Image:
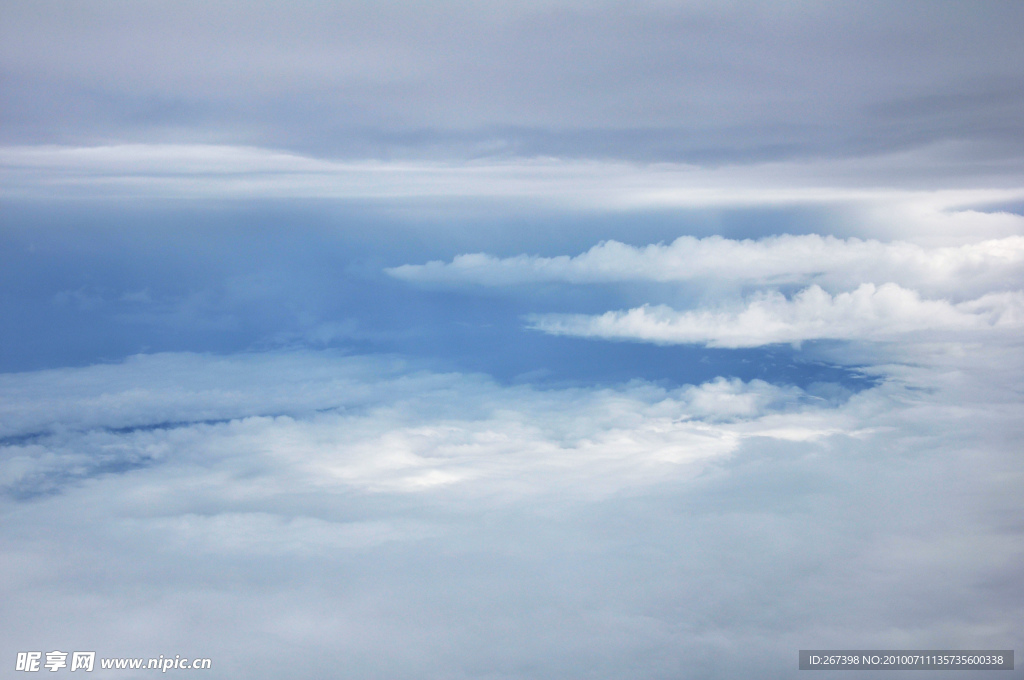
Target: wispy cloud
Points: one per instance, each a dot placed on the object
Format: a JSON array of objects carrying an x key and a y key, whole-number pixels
[{"x": 218, "y": 171}]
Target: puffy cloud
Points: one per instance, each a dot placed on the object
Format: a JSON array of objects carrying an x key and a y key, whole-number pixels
[
  {"x": 831, "y": 262},
  {"x": 886, "y": 312},
  {"x": 900, "y": 289}
]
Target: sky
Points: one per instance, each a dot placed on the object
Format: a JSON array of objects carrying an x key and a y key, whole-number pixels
[{"x": 510, "y": 340}]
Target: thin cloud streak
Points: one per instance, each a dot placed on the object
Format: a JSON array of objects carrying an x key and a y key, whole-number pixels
[{"x": 209, "y": 171}]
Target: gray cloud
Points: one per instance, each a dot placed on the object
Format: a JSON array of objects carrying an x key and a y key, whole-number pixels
[
  {"x": 927, "y": 193},
  {"x": 699, "y": 82}
]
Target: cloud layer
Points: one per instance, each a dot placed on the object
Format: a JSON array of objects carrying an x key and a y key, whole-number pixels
[
  {"x": 188, "y": 184},
  {"x": 225, "y": 170},
  {"x": 417, "y": 524},
  {"x": 396, "y": 429},
  {"x": 650, "y": 81}
]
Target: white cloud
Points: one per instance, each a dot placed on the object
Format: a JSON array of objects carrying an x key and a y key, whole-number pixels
[
  {"x": 223, "y": 171},
  {"x": 447, "y": 523},
  {"x": 171, "y": 388},
  {"x": 309, "y": 514},
  {"x": 886, "y": 312},
  {"x": 833, "y": 263},
  {"x": 351, "y": 421}
]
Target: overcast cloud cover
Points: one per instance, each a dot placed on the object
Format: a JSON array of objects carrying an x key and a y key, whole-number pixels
[{"x": 490, "y": 340}]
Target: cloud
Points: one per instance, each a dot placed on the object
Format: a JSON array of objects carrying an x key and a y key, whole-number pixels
[
  {"x": 310, "y": 514},
  {"x": 415, "y": 524},
  {"x": 180, "y": 388},
  {"x": 70, "y": 424},
  {"x": 651, "y": 81},
  {"x": 901, "y": 290},
  {"x": 827, "y": 261},
  {"x": 906, "y": 180},
  {"x": 870, "y": 312}
]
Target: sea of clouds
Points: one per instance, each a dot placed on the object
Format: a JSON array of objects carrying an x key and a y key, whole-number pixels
[
  {"x": 308, "y": 512},
  {"x": 299, "y": 302}
]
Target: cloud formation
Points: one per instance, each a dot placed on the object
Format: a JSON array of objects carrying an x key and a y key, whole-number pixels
[
  {"x": 827, "y": 261},
  {"x": 250, "y": 171},
  {"x": 649, "y": 81},
  {"x": 441, "y": 521},
  {"x": 926, "y": 196},
  {"x": 899, "y": 289},
  {"x": 886, "y": 312},
  {"x": 65, "y": 424}
]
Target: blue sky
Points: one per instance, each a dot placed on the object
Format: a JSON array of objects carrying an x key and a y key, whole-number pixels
[{"x": 460, "y": 340}]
